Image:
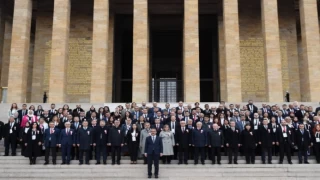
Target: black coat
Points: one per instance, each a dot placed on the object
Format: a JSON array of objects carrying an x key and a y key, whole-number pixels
[
  {"x": 33, "y": 148},
  {"x": 183, "y": 138},
  {"x": 100, "y": 135},
  {"x": 302, "y": 145},
  {"x": 116, "y": 136},
  {"x": 266, "y": 136},
  {"x": 128, "y": 138},
  {"x": 249, "y": 139},
  {"x": 232, "y": 137},
  {"x": 215, "y": 138},
  {"x": 1, "y": 129},
  {"x": 279, "y": 136},
  {"x": 84, "y": 138},
  {"x": 15, "y": 131}
]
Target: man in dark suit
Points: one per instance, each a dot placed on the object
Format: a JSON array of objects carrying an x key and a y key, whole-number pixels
[
  {"x": 84, "y": 142},
  {"x": 266, "y": 140},
  {"x": 183, "y": 141},
  {"x": 100, "y": 141},
  {"x": 66, "y": 141},
  {"x": 153, "y": 151},
  {"x": 53, "y": 111},
  {"x": 77, "y": 110},
  {"x": 173, "y": 125},
  {"x": 300, "y": 113},
  {"x": 11, "y": 134},
  {"x": 1, "y": 130},
  {"x": 199, "y": 142},
  {"x": 215, "y": 142},
  {"x": 284, "y": 141},
  {"x": 303, "y": 142},
  {"x": 116, "y": 141},
  {"x": 252, "y": 108},
  {"x": 76, "y": 125},
  {"x": 232, "y": 135},
  {"x": 22, "y": 112},
  {"x": 51, "y": 141},
  {"x": 158, "y": 126}
]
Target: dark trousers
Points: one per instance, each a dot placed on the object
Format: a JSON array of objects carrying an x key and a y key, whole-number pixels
[
  {"x": 316, "y": 149},
  {"x": 198, "y": 150},
  {"x": 191, "y": 152},
  {"x": 75, "y": 152},
  {"x": 263, "y": 153},
  {"x": 116, "y": 149},
  {"x": 133, "y": 149},
  {"x": 33, "y": 159},
  {"x": 303, "y": 152},
  {"x": 81, "y": 152},
  {"x": 250, "y": 155},
  {"x": 53, "y": 152},
  {"x": 101, "y": 149},
  {"x": 183, "y": 154},
  {"x": 285, "y": 147},
  {"x": 175, "y": 152},
  {"x": 153, "y": 159},
  {"x": 215, "y": 151},
  {"x": 233, "y": 151},
  {"x": 275, "y": 150},
  {"x": 166, "y": 159},
  {"x": 10, "y": 141},
  {"x": 66, "y": 153}
]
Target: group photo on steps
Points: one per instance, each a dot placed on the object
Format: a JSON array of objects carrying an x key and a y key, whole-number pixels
[{"x": 162, "y": 134}]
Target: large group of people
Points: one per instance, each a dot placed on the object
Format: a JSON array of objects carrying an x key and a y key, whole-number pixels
[{"x": 185, "y": 132}]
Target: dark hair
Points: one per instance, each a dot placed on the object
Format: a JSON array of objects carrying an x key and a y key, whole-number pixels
[{"x": 12, "y": 106}]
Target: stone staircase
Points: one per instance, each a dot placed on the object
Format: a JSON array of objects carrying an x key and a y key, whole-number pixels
[{"x": 17, "y": 167}]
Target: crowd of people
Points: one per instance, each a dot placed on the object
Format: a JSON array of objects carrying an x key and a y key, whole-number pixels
[{"x": 186, "y": 132}]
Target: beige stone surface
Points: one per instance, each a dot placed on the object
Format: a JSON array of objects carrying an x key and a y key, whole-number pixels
[
  {"x": 309, "y": 66},
  {"x": 19, "y": 56},
  {"x": 232, "y": 50},
  {"x": 288, "y": 35},
  {"x": 100, "y": 51},
  {"x": 272, "y": 56},
  {"x": 140, "y": 76},
  {"x": 43, "y": 35},
  {"x": 59, "y": 51},
  {"x": 6, "y": 53},
  {"x": 109, "y": 91},
  {"x": 191, "y": 68}
]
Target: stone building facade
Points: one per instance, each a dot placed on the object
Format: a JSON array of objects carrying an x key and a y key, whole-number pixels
[{"x": 94, "y": 51}]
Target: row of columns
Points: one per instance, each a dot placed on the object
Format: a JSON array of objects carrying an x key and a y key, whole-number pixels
[{"x": 100, "y": 81}]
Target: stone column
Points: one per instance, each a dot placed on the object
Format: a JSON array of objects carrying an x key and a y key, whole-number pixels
[
  {"x": 100, "y": 51},
  {"x": 272, "y": 55},
  {"x": 140, "y": 71},
  {"x": 59, "y": 51},
  {"x": 19, "y": 56},
  {"x": 232, "y": 50},
  {"x": 309, "y": 66},
  {"x": 110, "y": 59},
  {"x": 6, "y": 53},
  {"x": 191, "y": 68}
]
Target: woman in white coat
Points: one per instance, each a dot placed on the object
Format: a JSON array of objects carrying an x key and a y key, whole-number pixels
[{"x": 168, "y": 143}]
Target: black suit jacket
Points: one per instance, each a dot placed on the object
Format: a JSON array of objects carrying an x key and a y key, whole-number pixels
[
  {"x": 279, "y": 135},
  {"x": 183, "y": 138},
  {"x": 232, "y": 137},
  {"x": 302, "y": 145},
  {"x": 255, "y": 109},
  {"x": 266, "y": 136}
]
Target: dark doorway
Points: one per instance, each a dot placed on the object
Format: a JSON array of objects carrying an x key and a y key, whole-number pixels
[
  {"x": 209, "y": 59},
  {"x": 122, "y": 72},
  {"x": 166, "y": 40}
]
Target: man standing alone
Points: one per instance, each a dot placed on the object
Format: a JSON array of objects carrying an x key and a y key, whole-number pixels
[{"x": 153, "y": 151}]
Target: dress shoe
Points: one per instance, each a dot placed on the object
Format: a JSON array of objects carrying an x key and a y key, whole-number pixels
[
  {"x": 203, "y": 163},
  {"x": 269, "y": 162},
  {"x": 253, "y": 162},
  {"x": 104, "y": 162},
  {"x": 118, "y": 163},
  {"x": 113, "y": 163},
  {"x": 149, "y": 177},
  {"x": 179, "y": 163},
  {"x": 263, "y": 162},
  {"x": 156, "y": 176},
  {"x": 87, "y": 163},
  {"x": 230, "y": 163},
  {"x": 63, "y": 163},
  {"x": 97, "y": 163},
  {"x": 290, "y": 162},
  {"x": 68, "y": 163},
  {"x": 186, "y": 163},
  {"x": 280, "y": 162},
  {"x": 306, "y": 162},
  {"x": 235, "y": 163},
  {"x": 219, "y": 163},
  {"x": 300, "y": 162},
  {"x": 46, "y": 163},
  {"x": 213, "y": 162},
  {"x": 54, "y": 163},
  {"x": 195, "y": 163},
  {"x": 80, "y": 163}
]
